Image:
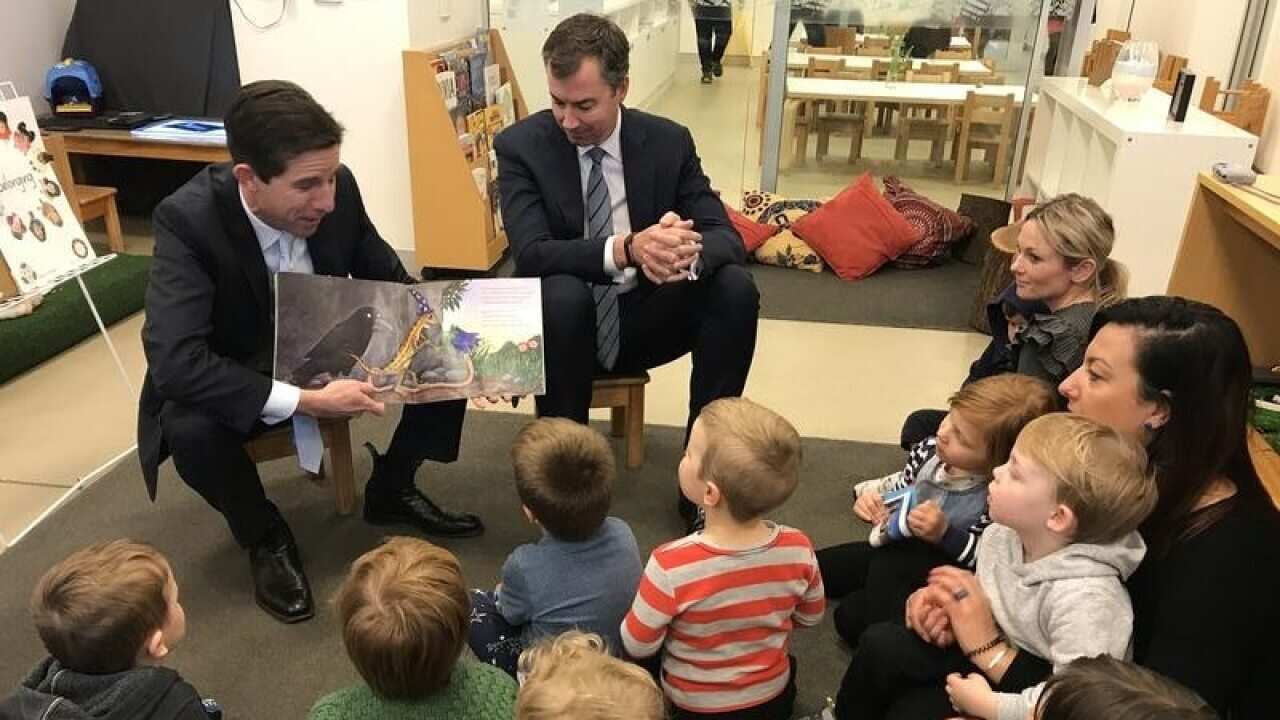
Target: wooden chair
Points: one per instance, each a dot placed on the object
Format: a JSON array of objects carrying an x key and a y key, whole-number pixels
[
  {"x": 89, "y": 202},
  {"x": 1167, "y": 74},
  {"x": 1119, "y": 36},
  {"x": 822, "y": 51},
  {"x": 884, "y": 111},
  {"x": 953, "y": 54},
  {"x": 929, "y": 68},
  {"x": 852, "y": 117},
  {"x": 872, "y": 52},
  {"x": 986, "y": 122},
  {"x": 924, "y": 122},
  {"x": 336, "y": 432},
  {"x": 846, "y": 38},
  {"x": 624, "y": 396},
  {"x": 1245, "y": 108},
  {"x": 881, "y": 43}
]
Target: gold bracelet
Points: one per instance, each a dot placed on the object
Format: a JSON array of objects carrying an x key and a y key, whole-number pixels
[{"x": 996, "y": 660}]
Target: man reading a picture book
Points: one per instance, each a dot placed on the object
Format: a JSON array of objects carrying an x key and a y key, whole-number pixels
[
  {"x": 284, "y": 203},
  {"x": 610, "y": 207}
]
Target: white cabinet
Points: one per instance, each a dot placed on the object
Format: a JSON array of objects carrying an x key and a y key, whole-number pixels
[
  {"x": 652, "y": 27},
  {"x": 1134, "y": 161}
]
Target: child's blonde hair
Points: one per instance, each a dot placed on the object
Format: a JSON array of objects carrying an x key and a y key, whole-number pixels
[
  {"x": 1001, "y": 406},
  {"x": 1104, "y": 687},
  {"x": 1100, "y": 474},
  {"x": 404, "y": 610},
  {"x": 95, "y": 609},
  {"x": 572, "y": 677},
  {"x": 1077, "y": 228},
  {"x": 752, "y": 454}
]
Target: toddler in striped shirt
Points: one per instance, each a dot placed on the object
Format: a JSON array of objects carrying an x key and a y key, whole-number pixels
[{"x": 721, "y": 603}]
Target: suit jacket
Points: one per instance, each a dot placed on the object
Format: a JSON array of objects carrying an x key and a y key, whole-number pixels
[
  {"x": 210, "y": 329},
  {"x": 540, "y": 181}
]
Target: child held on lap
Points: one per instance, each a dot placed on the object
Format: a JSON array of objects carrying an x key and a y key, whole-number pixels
[
  {"x": 584, "y": 571},
  {"x": 1104, "y": 687},
  {"x": 948, "y": 473},
  {"x": 721, "y": 602},
  {"x": 108, "y": 615},
  {"x": 404, "y": 614},
  {"x": 1065, "y": 510},
  {"x": 573, "y": 677}
]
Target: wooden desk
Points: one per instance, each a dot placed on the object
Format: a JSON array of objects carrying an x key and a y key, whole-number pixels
[
  {"x": 806, "y": 90},
  {"x": 797, "y": 60},
  {"x": 1230, "y": 258},
  {"x": 121, "y": 143}
]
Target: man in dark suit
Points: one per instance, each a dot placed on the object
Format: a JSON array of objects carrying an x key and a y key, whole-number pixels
[
  {"x": 284, "y": 203},
  {"x": 610, "y": 207}
]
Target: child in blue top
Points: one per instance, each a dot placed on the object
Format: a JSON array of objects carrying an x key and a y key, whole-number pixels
[{"x": 584, "y": 571}]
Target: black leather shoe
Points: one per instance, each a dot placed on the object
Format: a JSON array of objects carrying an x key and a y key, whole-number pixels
[
  {"x": 279, "y": 585},
  {"x": 395, "y": 504},
  {"x": 706, "y": 77},
  {"x": 717, "y": 69}
]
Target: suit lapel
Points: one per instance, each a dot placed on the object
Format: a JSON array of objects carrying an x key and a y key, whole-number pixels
[
  {"x": 243, "y": 241},
  {"x": 563, "y": 158},
  {"x": 639, "y": 172}
]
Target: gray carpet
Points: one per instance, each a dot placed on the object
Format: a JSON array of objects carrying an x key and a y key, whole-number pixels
[
  {"x": 259, "y": 668},
  {"x": 936, "y": 298}
]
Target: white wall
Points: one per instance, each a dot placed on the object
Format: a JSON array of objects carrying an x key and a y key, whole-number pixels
[
  {"x": 348, "y": 57},
  {"x": 1268, "y": 159},
  {"x": 30, "y": 42}
]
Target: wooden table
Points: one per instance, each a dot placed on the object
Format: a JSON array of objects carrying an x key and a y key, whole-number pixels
[
  {"x": 797, "y": 60},
  {"x": 1230, "y": 258},
  {"x": 808, "y": 90},
  {"x": 121, "y": 143}
]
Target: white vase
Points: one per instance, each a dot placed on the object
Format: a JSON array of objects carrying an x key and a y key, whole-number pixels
[{"x": 1135, "y": 69}]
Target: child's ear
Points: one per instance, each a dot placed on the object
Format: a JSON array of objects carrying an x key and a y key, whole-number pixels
[
  {"x": 155, "y": 647},
  {"x": 1062, "y": 521},
  {"x": 711, "y": 495}
]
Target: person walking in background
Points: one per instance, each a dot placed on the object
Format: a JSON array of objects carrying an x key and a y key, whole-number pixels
[{"x": 713, "y": 23}]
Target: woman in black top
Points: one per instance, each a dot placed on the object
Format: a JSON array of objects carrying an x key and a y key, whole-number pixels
[{"x": 1206, "y": 599}]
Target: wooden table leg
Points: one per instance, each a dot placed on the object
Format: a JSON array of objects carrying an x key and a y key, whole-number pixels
[
  {"x": 787, "y": 146},
  {"x": 635, "y": 427}
]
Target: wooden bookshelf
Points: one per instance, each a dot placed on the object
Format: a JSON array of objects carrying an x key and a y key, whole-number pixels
[{"x": 453, "y": 225}]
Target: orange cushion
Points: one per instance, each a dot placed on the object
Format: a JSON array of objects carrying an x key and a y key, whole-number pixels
[
  {"x": 857, "y": 231},
  {"x": 753, "y": 234}
]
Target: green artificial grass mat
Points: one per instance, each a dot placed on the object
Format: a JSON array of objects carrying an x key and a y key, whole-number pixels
[{"x": 64, "y": 319}]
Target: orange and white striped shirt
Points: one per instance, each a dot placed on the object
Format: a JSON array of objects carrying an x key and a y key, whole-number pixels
[{"x": 725, "y": 617}]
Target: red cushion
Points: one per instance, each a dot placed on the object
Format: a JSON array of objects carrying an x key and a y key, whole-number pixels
[
  {"x": 939, "y": 227},
  {"x": 753, "y": 233},
  {"x": 857, "y": 231}
]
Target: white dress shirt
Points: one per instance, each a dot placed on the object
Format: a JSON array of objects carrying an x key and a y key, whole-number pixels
[{"x": 283, "y": 253}]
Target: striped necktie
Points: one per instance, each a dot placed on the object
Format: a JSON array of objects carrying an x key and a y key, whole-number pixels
[{"x": 599, "y": 226}]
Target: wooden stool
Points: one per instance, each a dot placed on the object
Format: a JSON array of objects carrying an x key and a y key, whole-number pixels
[
  {"x": 336, "y": 432},
  {"x": 89, "y": 202},
  {"x": 624, "y": 395}
]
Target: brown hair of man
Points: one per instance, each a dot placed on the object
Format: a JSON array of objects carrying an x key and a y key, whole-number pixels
[
  {"x": 1100, "y": 474},
  {"x": 1002, "y": 405},
  {"x": 564, "y": 475},
  {"x": 584, "y": 36},
  {"x": 1104, "y": 687},
  {"x": 752, "y": 454},
  {"x": 95, "y": 610},
  {"x": 404, "y": 611},
  {"x": 572, "y": 677},
  {"x": 271, "y": 122}
]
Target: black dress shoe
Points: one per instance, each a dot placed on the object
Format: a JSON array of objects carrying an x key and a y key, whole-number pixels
[
  {"x": 389, "y": 501},
  {"x": 279, "y": 585},
  {"x": 706, "y": 77},
  {"x": 717, "y": 69}
]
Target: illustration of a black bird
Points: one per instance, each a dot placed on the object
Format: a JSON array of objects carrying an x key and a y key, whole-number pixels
[{"x": 340, "y": 348}]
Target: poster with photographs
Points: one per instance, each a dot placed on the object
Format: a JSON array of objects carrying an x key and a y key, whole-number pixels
[{"x": 41, "y": 239}]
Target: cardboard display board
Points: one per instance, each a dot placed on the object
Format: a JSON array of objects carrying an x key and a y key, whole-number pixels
[{"x": 41, "y": 241}]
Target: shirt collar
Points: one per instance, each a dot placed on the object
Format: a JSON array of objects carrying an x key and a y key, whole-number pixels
[
  {"x": 612, "y": 145},
  {"x": 267, "y": 235}
]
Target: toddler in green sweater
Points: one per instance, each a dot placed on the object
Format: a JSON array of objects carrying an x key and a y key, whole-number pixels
[{"x": 404, "y": 609}]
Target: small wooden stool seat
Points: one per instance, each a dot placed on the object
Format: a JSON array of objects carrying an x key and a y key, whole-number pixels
[
  {"x": 336, "y": 433},
  {"x": 89, "y": 202},
  {"x": 624, "y": 395}
]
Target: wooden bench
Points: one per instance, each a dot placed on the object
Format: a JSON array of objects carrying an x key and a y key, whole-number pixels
[
  {"x": 624, "y": 395},
  {"x": 336, "y": 432}
]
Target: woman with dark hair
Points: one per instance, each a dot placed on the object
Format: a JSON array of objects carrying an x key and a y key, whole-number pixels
[{"x": 1176, "y": 374}]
